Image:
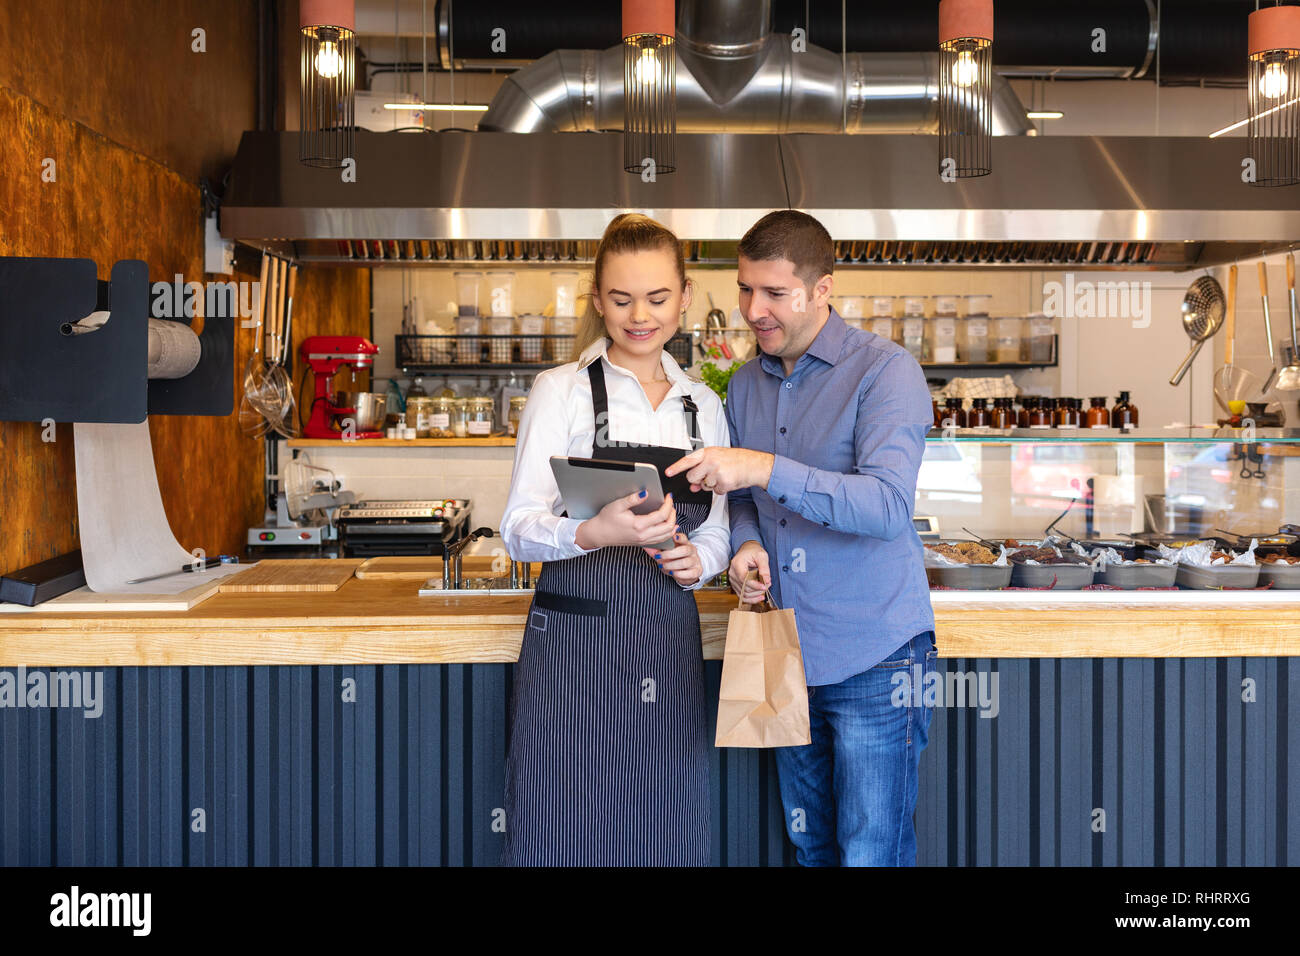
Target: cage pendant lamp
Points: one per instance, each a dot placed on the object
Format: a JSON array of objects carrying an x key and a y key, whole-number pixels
[
  {"x": 329, "y": 45},
  {"x": 649, "y": 87},
  {"x": 1273, "y": 94},
  {"x": 965, "y": 88}
]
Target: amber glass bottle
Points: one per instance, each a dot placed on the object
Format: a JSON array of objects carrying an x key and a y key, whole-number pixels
[
  {"x": 1040, "y": 415},
  {"x": 1022, "y": 415},
  {"x": 1098, "y": 417},
  {"x": 952, "y": 408},
  {"x": 978, "y": 416},
  {"x": 1002, "y": 416},
  {"x": 1124, "y": 414}
]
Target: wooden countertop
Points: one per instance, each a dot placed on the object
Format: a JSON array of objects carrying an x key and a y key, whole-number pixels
[{"x": 384, "y": 621}]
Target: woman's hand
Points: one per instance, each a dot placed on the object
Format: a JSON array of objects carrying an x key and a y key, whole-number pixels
[
  {"x": 617, "y": 526},
  {"x": 681, "y": 562}
]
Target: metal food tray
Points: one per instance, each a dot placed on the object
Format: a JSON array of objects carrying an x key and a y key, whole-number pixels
[
  {"x": 1068, "y": 577},
  {"x": 1223, "y": 576},
  {"x": 1130, "y": 577},
  {"x": 971, "y": 577},
  {"x": 1283, "y": 577}
]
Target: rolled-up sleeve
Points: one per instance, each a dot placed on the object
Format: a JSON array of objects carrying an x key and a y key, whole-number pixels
[
  {"x": 894, "y": 416},
  {"x": 530, "y": 528},
  {"x": 712, "y": 539}
]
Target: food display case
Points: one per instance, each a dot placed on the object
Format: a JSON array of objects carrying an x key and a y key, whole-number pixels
[{"x": 1106, "y": 510}]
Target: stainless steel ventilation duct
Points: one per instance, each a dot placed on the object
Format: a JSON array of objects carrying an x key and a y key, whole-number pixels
[{"x": 734, "y": 75}]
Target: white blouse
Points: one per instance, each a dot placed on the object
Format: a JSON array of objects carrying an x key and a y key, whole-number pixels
[{"x": 558, "y": 419}]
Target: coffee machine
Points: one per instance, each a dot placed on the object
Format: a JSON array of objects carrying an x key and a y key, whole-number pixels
[{"x": 325, "y": 355}]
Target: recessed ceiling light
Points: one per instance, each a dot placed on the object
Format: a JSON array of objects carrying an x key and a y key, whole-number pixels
[{"x": 1045, "y": 114}]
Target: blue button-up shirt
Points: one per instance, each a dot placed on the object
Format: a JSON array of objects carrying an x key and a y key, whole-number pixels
[{"x": 848, "y": 431}]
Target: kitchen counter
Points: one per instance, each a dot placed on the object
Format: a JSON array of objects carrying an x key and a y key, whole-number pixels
[{"x": 384, "y": 621}]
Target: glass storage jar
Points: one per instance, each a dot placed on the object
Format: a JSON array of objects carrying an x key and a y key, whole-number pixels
[
  {"x": 467, "y": 291},
  {"x": 458, "y": 417},
  {"x": 442, "y": 410},
  {"x": 418, "y": 409},
  {"x": 516, "y": 413},
  {"x": 480, "y": 417}
]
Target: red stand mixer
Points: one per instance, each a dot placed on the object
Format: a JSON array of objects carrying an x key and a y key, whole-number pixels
[{"x": 325, "y": 355}]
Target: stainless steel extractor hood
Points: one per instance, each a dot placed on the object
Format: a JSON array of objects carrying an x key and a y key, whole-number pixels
[{"x": 424, "y": 198}]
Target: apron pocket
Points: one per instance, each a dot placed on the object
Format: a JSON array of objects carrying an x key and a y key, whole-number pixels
[{"x": 574, "y": 605}]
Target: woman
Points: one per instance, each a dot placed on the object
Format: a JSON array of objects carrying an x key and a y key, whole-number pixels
[{"x": 608, "y": 755}]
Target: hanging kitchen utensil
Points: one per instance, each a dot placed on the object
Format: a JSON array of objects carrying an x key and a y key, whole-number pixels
[
  {"x": 1202, "y": 308},
  {"x": 1229, "y": 380},
  {"x": 1288, "y": 377},
  {"x": 1268, "y": 324},
  {"x": 290, "y": 416},
  {"x": 251, "y": 420}
]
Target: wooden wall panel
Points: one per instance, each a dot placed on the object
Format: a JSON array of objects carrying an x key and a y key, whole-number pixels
[
  {"x": 128, "y": 70},
  {"x": 125, "y": 190}
]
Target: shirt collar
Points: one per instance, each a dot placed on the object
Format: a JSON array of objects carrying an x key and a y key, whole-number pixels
[
  {"x": 599, "y": 348},
  {"x": 827, "y": 345}
]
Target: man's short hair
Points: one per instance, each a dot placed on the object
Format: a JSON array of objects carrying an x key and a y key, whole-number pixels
[{"x": 795, "y": 236}]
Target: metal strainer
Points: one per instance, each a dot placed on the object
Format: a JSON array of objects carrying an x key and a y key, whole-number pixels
[{"x": 1203, "y": 308}]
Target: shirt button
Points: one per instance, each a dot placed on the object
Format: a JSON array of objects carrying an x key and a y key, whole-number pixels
[
  {"x": 826, "y": 524},
  {"x": 782, "y": 522},
  {"x": 785, "y": 567},
  {"x": 781, "y": 499},
  {"x": 782, "y": 429},
  {"x": 788, "y": 385}
]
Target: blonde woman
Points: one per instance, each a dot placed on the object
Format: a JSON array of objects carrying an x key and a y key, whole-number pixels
[{"x": 608, "y": 753}]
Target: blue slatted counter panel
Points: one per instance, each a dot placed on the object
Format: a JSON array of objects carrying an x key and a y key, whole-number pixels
[{"x": 271, "y": 766}]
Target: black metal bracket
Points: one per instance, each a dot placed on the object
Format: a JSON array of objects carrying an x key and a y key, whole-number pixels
[{"x": 49, "y": 372}]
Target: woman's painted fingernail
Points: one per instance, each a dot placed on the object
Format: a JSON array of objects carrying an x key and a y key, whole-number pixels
[{"x": 642, "y": 493}]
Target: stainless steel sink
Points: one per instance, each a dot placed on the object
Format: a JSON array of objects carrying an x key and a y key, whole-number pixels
[{"x": 489, "y": 584}]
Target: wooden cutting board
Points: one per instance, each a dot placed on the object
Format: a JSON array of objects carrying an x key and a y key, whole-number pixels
[{"x": 292, "y": 574}]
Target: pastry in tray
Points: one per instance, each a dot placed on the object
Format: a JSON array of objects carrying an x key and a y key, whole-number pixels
[{"x": 965, "y": 552}]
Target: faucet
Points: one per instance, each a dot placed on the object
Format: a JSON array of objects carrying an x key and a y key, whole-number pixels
[{"x": 451, "y": 555}]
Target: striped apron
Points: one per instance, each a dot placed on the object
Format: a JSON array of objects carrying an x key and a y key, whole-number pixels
[{"x": 607, "y": 761}]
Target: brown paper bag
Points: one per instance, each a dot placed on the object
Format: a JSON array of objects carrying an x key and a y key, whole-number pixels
[{"x": 763, "y": 701}]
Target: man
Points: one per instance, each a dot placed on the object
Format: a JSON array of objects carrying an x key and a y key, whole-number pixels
[{"x": 828, "y": 425}]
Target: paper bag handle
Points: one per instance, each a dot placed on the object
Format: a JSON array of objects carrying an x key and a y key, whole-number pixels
[{"x": 768, "y": 600}]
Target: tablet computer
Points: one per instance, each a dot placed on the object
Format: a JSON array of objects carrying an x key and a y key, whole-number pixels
[{"x": 588, "y": 484}]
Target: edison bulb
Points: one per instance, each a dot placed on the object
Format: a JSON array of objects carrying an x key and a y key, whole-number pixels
[
  {"x": 646, "y": 69},
  {"x": 965, "y": 71},
  {"x": 329, "y": 62},
  {"x": 1272, "y": 85}
]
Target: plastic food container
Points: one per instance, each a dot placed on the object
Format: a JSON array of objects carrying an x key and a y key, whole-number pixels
[
  {"x": 973, "y": 340},
  {"x": 467, "y": 292},
  {"x": 942, "y": 339},
  {"x": 562, "y": 349},
  {"x": 914, "y": 304},
  {"x": 501, "y": 293},
  {"x": 978, "y": 304},
  {"x": 945, "y": 304},
  {"x": 1222, "y": 576},
  {"x": 1067, "y": 577},
  {"x": 469, "y": 330},
  {"x": 851, "y": 306},
  {"x": 970, "y": 577},
  {"x": 882, "y": 326},
  {"x": 530, "y": 350},
  {"x": 565, "y": 285},
  {"x": 882, "y": 305},
  {"x": 911, "y": 336},
  {"x": 1040, "y": 338},
  {"x": 1130, "y": 577},
  {"x": 501, "y": 345},
  {"x": 1007, "y": 335},
  {"x": 1283, "y": 577}
]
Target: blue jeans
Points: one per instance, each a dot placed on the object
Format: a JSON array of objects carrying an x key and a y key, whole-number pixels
[{"x": 849, "y": 795}]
